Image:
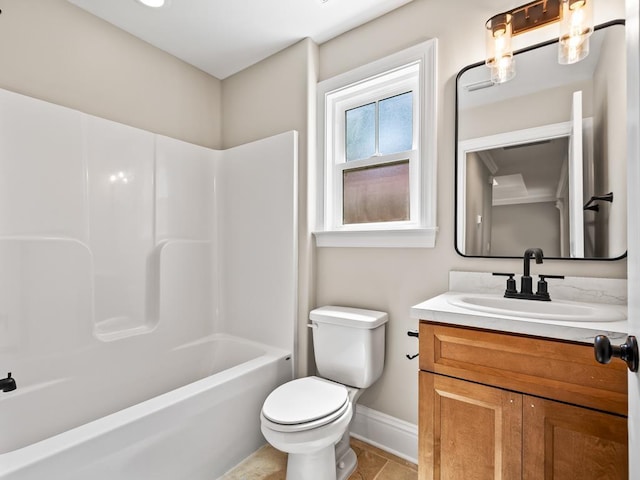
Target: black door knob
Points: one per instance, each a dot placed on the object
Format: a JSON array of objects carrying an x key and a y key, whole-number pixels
[{"x": 627, "y": 352}]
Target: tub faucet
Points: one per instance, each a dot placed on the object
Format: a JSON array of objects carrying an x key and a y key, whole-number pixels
[{"x": 7, "y": 384}]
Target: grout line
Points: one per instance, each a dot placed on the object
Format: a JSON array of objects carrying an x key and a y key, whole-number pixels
[{"x": 380, "y": 471}]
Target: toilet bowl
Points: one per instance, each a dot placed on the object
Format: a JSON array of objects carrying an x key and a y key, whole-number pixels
[
  {"x": 306, "y": 418},
  {"x": 309, "y": 418}
]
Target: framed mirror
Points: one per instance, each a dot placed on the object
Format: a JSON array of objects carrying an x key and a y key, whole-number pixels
[{"x": 541, "y": 159}]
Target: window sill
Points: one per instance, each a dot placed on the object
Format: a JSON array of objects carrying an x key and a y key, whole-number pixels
[{"x": 406, "y": 238}]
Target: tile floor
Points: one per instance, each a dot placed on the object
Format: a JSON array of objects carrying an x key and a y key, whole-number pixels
[{"x": 373, "y": 464}]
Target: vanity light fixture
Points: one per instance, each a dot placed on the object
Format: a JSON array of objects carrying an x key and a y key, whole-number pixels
[{"x": 576, "y": 17}]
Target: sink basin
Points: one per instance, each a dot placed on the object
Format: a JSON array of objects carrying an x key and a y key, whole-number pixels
[{"x": 560, "y": 310}]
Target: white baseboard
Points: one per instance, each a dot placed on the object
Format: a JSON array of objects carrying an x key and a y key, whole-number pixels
[{"x": 388, "y": 433}]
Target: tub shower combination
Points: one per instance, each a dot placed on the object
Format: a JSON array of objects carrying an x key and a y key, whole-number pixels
[{"x": 147, "y": 296}]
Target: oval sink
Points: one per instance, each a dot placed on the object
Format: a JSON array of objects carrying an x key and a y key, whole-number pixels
[{"x": 561, "y": 310}]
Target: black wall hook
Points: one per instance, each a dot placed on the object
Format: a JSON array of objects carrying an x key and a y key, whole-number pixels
[
  {"x": 416, "y": 334},
  {"x": 591, "y": 205}
]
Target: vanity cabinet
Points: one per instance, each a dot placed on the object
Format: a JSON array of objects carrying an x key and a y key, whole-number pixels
[{"x": 495, "y": 405}]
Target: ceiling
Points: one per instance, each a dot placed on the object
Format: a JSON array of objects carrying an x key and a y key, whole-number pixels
[
  {"x": 539, "y": 167},
  {"x": 223, "y": 37}
]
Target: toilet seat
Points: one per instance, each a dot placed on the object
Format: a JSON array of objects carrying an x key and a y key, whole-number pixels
[{"x": 304, "y": 404}]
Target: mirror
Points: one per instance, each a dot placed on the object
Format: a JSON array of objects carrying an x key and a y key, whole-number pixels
[{"x": 541, "y": 159}]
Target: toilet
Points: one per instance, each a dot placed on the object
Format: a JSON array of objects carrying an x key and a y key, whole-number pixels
[{"x": 309, "y": 418}]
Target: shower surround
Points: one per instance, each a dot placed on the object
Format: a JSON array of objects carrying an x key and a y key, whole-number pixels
[{"x": 132, "y": 263}]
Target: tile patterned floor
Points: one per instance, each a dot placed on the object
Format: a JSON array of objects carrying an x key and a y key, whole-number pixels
[{"x": 373, "y": 464}]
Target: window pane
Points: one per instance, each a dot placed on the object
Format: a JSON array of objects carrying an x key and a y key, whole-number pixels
[
  {"x": 396, "y": 123},
  {"x": 361, "y": 132},
  {"x": 376, "y": 194}
]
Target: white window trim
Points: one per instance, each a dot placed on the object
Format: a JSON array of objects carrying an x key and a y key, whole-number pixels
[{"x": 420, "y": 230}]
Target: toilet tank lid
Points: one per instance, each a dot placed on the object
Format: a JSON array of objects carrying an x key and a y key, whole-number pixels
[{"x": 349, "y": 316}]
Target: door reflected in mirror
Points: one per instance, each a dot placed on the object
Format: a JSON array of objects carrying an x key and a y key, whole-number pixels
[{"x": 532, "y": 154}]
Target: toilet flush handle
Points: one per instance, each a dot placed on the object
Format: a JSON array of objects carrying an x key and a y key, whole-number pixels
[{"x": 312, "y": 325}]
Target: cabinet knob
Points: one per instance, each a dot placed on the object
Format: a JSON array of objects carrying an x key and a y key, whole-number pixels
[{"x": 628, "y": 351}]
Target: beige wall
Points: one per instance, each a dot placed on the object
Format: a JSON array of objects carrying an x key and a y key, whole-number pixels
[
  {"x": 478, "y": 203},
  {"x": 526, "y": 224},
  {"x": 394, "y": 279},
  {"x": 506, "y": 116},
  {"x": 53, "y": 50},
  {"x": 610, "y": 175}
]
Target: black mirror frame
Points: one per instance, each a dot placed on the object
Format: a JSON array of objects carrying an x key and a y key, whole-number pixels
[{"x": 455, "y": 191}]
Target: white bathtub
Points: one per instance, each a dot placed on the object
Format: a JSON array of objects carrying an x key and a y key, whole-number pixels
[{"x": 195, "y": 432}]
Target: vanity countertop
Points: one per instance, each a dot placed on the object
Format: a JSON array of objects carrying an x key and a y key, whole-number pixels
[{"x": 440, "y": 309}]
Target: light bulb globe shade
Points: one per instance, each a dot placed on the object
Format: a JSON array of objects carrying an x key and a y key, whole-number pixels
[
  {"x": 503, "y": 70},
  {"x": 499, "y": 51},
  {"x": 576, "y": 27}
]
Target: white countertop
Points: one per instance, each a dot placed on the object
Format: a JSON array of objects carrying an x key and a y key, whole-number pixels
[{"x": 438, "y": 309}]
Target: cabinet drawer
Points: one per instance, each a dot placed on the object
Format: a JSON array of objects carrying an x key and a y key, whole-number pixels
[{"x": 552, "y": 369}]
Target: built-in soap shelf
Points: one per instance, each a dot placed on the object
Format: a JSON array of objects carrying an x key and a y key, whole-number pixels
[
  {"x": 46, "y": 278},
  {"x": 176, "y": 260},
  {"x": 116, "y": 328}
]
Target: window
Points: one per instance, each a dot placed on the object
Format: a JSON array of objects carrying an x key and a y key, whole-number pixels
[{"x": 377, "y": 153}]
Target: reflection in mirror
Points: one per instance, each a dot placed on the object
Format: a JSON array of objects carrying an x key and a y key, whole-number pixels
[{"x": 532, "y": 152}]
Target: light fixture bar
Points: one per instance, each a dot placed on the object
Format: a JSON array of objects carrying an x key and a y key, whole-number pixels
[{"x": 535, "y": 14}]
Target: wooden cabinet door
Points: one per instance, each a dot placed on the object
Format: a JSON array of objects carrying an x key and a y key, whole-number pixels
[
  {"x": 566, "y": 442},
  {"x": 468, "y": 431}
]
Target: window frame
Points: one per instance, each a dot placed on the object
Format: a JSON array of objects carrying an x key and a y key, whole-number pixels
[{"x": 411, "y": 69}]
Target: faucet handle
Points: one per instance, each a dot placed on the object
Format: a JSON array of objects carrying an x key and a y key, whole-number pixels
[
  {"x": 511, "y": 282},
  {"x": 542, "y": 277},
  {"x": 542, "y": 285}
]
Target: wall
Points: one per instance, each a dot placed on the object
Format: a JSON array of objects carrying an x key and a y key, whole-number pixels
[
  {"x": 256, "y": 213},
  {"x": 394, "y": 279},
  {"x": 506, "y": 116},
  {"x": 274, "y": 96},
  {"x": 526, "y": 224},
  {"x": 55, "y": 51},
  {"x": 609, "y": 86},
  {"x": 478, "y": 202}
]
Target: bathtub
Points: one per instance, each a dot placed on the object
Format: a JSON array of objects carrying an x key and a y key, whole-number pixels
[{"x": 197, "y": 431}]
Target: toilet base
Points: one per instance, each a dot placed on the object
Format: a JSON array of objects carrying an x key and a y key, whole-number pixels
[
  {"x": 346, "y": 465},
  {"x": 319, "y": 465}
]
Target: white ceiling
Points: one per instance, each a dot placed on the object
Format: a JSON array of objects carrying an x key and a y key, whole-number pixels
[{"x": 223, "y": 37}]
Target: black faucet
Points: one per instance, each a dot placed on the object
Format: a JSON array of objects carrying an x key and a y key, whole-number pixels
[
  {"x": 8, "y": 384},
  {"x": 526, "y": 283}
]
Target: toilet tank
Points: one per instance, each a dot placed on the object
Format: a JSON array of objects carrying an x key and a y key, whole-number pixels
[{"x": 348, "y": 344}]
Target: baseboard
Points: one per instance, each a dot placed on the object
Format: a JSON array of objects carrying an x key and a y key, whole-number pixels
[{"x": 388, "y": 433}]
